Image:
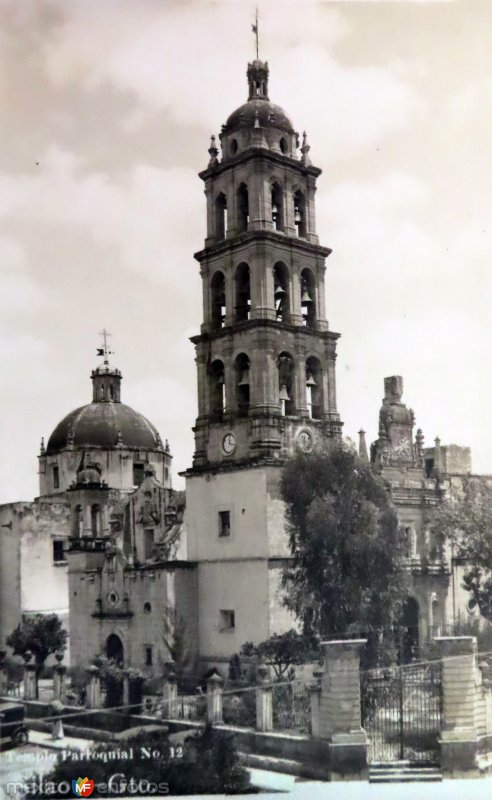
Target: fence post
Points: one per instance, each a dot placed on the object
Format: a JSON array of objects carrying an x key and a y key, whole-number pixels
[
  {"x": 30, "y": 677},
  {"x": 59, "y": 679},
  {"x": 460, "y": 687},
  {"x": 315, "y": 697},
  {"x": 4, "y": 678},
  {"x": 93, "y": 688},
  {"x": 214, "y": 699},
  {"x": 264, "y": 705},
  {"x": 340, "y": 712},
  {"x": 169, "y": 692}
]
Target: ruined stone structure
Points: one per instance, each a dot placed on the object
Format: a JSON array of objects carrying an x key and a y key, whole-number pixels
[{"x": 265, "y": 363}]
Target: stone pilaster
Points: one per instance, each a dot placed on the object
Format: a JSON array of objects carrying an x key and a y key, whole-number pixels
[
  {"x": 460, "y": 687},
  {"x": 340, "y": 712},
  {"x": 214, "y": 699},
  {"x": 264, "y": 703}
]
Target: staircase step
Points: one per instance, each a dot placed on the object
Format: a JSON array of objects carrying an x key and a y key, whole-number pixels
[{"x": 403, "y": 772}]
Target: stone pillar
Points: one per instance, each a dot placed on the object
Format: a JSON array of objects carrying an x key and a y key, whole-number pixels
[
  {"x": 3, "y": 673},
  {"x": 214, "y": 699},
  {"x": 460, "y": 687},
  {"x": 93, "y": 688},
  {"x": 126, "y": 690},
  {"x": 169, "y": 692},
  {"x": 340, "y": 713},
  {"x": 59, "y": 679},
  {"x": 315, "y": 698},
  {"x": 264, "y": 705},
  {"x": 30, "y": 677}
]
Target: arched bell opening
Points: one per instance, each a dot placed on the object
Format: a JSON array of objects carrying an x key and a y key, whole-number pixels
[
  {"x": 242, "y": 374},
  {"x": 217, "y": 387},
  {"x": 96, "y": 519},
  {"x": 300, "y": 213},
  {"x": 281, "y": 294},
  {"x": 221, "y": 216},
  {"x": 277, "y": 207},
  {"x": 308, "y": 304},
  {"x": 314, "y": 388},
  {"x": 285, "y": 364},
  {"x": 78, "y": 521},
  {"x": 243, "y": 292},
  {"x": 218, "y": 297},
  {"x": 242, "y": 208}
]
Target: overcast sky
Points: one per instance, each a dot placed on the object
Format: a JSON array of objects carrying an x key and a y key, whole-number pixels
[{"x": 106, "y": 113}]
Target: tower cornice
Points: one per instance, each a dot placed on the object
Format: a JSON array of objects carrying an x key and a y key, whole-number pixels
[
  {"x": 258, "y": 153},
  {"x": 251, "y": 324},
  {"x": 228, "y": 245}
]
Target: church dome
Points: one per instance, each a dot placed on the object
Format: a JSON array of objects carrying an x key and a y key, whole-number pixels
[
  {"x": 106, "y": 425},
  {"x": 106, "y": 422},
  {"x": 268, "y": 115}
]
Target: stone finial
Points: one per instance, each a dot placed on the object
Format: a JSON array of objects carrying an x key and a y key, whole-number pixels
[
  {"x": 119, "y": 439},
  {"x": 70, "y": 438},
  {"x": 42, "y": 449},
  {"x": 214, "y": 153},
  {"x": 363, "y": 455},
  {"x": 305, "y": 150},
  {"x": 167, "y": 447}
]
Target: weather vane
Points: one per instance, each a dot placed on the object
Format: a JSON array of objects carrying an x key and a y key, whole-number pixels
[
  {"x": 104, "y": 350},
  {"x": 256, "y": 32}
]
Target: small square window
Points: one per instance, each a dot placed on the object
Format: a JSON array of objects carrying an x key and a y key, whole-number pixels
[
  {"x": 58, "y": 550},
  {"x": 224, "y": 523},
  {"x": 148, "y": 655},
  {"x": 56, "y": 478},
  {"x": 227, "y": 620}
]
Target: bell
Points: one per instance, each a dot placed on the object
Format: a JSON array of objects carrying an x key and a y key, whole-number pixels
[
  {"x": 279, "y": 293},
  {"x": 244, "y": 378},
  {"x": 310, "y": 379},
  {"x": 220, "y": 379},
  {"x": 306, "y": 298},
  {"x": 284, "y": 394}
]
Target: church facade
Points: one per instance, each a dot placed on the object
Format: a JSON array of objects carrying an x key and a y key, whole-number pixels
[{"x": 134, "y": 573}]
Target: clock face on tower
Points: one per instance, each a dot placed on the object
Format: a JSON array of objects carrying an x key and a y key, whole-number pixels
[
  {"x": 305, "y": 440},
  {"x": 229, "y": 444}
]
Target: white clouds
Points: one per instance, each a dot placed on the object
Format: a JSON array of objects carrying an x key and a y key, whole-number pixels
[{"x": 147, "y": 217}]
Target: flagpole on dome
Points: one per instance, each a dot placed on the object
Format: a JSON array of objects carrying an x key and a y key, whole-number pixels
[{"x": 255, "y": 30}]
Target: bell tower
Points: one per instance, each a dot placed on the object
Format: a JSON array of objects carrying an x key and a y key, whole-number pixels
[{"x": 265, "y": 363}]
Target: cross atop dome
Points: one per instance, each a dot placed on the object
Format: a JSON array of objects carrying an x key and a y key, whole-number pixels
[{"x": 104, "y": 350}]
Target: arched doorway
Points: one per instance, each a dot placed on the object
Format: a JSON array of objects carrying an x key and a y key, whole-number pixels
[
  {"x": 114, "y": 648},
  {"x": 409, "y": 647}
]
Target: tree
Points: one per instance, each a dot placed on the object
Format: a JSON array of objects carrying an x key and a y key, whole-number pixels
[
  {"x": 40, "y": 634},
  {"x": 348, "y": 574},
  {"x": 283, "y": 651},
  {"x": 465, "y": 520}
]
